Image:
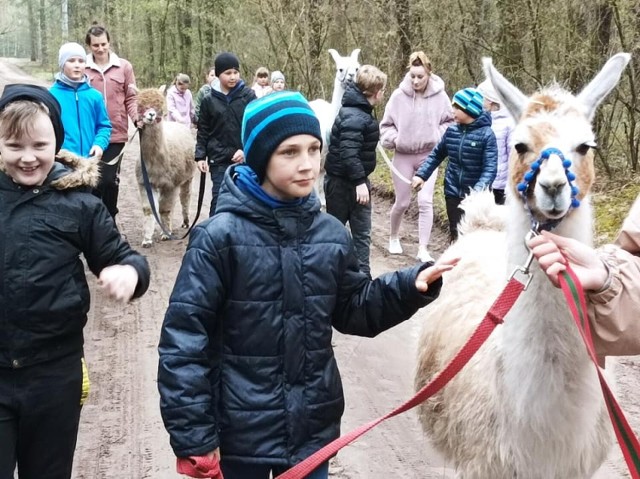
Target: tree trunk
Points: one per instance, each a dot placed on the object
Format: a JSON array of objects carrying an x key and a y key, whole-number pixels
[
  {"x": 44, "y": 36},
  {"x": 33, "y": 38}
]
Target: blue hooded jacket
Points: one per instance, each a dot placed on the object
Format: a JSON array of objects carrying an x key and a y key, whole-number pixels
[{"x": 84, "y": 116}]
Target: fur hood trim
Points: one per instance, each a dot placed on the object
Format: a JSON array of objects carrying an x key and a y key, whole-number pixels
[{"x": 79, "y": 171}]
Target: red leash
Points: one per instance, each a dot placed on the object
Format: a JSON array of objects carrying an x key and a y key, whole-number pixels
[
  {"x": 495, "y": 316},
  {"x": 574, "y": 295},
  {"x": 627, "y": 440}
]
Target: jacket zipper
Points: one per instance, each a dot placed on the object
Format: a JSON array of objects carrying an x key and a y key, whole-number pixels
[
  {"x": 78, "y": 115},
  {"x": 464, "y": 134}
]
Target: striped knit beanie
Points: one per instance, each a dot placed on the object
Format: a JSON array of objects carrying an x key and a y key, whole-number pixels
[
  {"x": 470, "y": 101},
  {"x": 269, "y": 121}
]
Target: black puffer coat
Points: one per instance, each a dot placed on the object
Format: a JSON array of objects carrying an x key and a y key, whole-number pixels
[
  {"x": 220, "y": 124},
  {"x": 354, "y": 136},
  {"x": 44, "y": 296},
  {"x": 246, "y": 361},
  {"x": 473, "y": 157}
]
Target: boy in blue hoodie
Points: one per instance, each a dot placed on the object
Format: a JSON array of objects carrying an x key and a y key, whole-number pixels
[
  {"x": 247, "y": 376},
  {"x": 470, "y": 145},
  {"x": 84, "y": 115}
]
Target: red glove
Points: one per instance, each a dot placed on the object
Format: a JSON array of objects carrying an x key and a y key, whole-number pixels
[{"x": 199, "y": 466}]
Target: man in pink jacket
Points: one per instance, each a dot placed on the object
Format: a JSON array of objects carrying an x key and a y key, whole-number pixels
[
  {"x": 114, "y": 78},
  {"x": 611, "y": 278}
]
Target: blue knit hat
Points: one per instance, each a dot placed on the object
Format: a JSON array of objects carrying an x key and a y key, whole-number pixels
[
  {"x": 470, "y": 101},
  {"x": 269, "y": 121}
]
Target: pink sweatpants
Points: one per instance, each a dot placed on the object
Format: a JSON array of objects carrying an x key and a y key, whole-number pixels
[{"x": 407, "y": 165}]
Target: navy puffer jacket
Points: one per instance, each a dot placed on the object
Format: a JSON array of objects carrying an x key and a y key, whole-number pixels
[
  {"x": 354, "y": 136},
  {"x": 473, "y": 157},
  {"x": 246, "y": 361}
]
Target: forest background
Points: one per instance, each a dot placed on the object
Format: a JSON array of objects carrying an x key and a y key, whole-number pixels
[{"x": 532, "y": 42}]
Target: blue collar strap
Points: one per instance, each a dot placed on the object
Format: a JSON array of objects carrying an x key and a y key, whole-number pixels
[{"x": 523, "y": 187}]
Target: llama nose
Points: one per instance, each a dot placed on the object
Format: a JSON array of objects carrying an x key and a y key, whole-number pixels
[{"x": 553, "y": 188}]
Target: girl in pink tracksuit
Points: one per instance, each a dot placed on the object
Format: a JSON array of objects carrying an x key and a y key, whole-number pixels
[{"x": 416, "y": 116}]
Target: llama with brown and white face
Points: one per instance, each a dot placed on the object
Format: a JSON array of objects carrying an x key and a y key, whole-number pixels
[{"x": 529, "y": 404}]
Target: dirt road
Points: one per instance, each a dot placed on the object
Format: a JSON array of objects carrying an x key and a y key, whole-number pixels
[{"x": 121, "y": 434}]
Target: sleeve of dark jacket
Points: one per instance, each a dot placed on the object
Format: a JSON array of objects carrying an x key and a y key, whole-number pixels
[
  {"x": 351, "y": 143},
  {"x": 105, "y": 247},
  {"x": 431, "y": 162},
  {"x": 368, "y": 307},
  {"x": 489, "y": 162},
  {"x": 187, "y": 366}
]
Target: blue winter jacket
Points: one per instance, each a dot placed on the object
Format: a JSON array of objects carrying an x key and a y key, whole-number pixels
[
  {"x": 473, "y": 157},
  {"x": 246, "y": 362},
  {"x": 84, "y": 116}
]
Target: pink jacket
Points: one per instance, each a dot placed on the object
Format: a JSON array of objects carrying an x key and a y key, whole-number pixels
[
  {"x": 117, "y": 83},
  {"x": 180, "y": 106},
  {"x": 413, "y": 123},
  {"x": 615, "y": 311}
]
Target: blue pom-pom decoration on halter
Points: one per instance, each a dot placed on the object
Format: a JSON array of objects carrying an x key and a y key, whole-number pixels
[{"x": 535, "y": 167}]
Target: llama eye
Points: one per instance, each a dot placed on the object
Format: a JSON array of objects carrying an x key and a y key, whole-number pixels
[
  {"x": 521, "y": 148},
  {"x": 583, "y": 149}
]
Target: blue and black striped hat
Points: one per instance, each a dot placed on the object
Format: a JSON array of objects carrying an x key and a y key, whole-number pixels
[
  {"x": 269, "y": 121},
  {"x": 470, "y": 101}
]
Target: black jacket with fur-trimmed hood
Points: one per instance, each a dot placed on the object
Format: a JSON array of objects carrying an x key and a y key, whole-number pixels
[{"x": 44, "y": 296}]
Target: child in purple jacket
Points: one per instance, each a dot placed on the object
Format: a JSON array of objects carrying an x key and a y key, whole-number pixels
[{"x": 180, "y": 101}]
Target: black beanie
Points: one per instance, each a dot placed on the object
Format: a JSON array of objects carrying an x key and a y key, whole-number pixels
[
  {"x": 36, "y": 94},
  {"x": 225, "y": 61},
  {"x": 269, "y": 121}
]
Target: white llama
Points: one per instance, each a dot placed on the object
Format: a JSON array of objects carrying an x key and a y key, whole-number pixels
[
  {"x": 167, "y": 148},
  {"x": 529, "y": 404},
  {"x": 346, "y": 69}
]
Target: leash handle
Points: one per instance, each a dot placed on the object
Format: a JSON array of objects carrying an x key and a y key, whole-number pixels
[
  {"x": 494, "y": 316},
  {"x": 627, "y": 440}
]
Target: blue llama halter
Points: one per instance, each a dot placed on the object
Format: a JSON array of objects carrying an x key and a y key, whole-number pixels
[{"x": 523, "y": 186}]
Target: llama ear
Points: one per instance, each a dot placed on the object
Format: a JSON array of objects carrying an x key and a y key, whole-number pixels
[
  {"x": 355, "y": 53},
  {"x": 334, "y": 54},
  {"x": 605, "y": 81},
  {"x": 512, "y": 98}
]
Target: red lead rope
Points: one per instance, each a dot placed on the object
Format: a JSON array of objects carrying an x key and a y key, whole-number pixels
[
  {"x": 627, "y": 440},
  {"x": 574, "y": 295},
  {"x": 495, "y": 316}
]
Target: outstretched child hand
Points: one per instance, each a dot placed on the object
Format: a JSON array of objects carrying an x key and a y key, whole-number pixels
[
  {"x": 430, "y": 274},
  {"x": 119, "y": 281}
]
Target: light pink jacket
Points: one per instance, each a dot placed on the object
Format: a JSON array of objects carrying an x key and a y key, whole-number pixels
[
  {"x": 117, "y": 83},
  {"x": 180, "y": 106},
  {"x": 413, "y": 123},
  {"x": 615, "y": 311}
]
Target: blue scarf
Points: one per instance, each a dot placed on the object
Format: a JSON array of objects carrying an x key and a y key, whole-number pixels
[{"x": 246, "y": 179}]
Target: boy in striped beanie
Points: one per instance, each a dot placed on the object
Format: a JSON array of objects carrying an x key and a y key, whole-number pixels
[
  {"x": 470, "y": 145},
  {"x": 249, "y": 324}
]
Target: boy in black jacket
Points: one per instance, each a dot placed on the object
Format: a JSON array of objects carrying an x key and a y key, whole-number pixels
[
  {"x": 218, "y": 142},
  {"x": 48, "y": 217},
  {"x": 352, "y": 158},
  {"x": 247, "y": 374}
]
